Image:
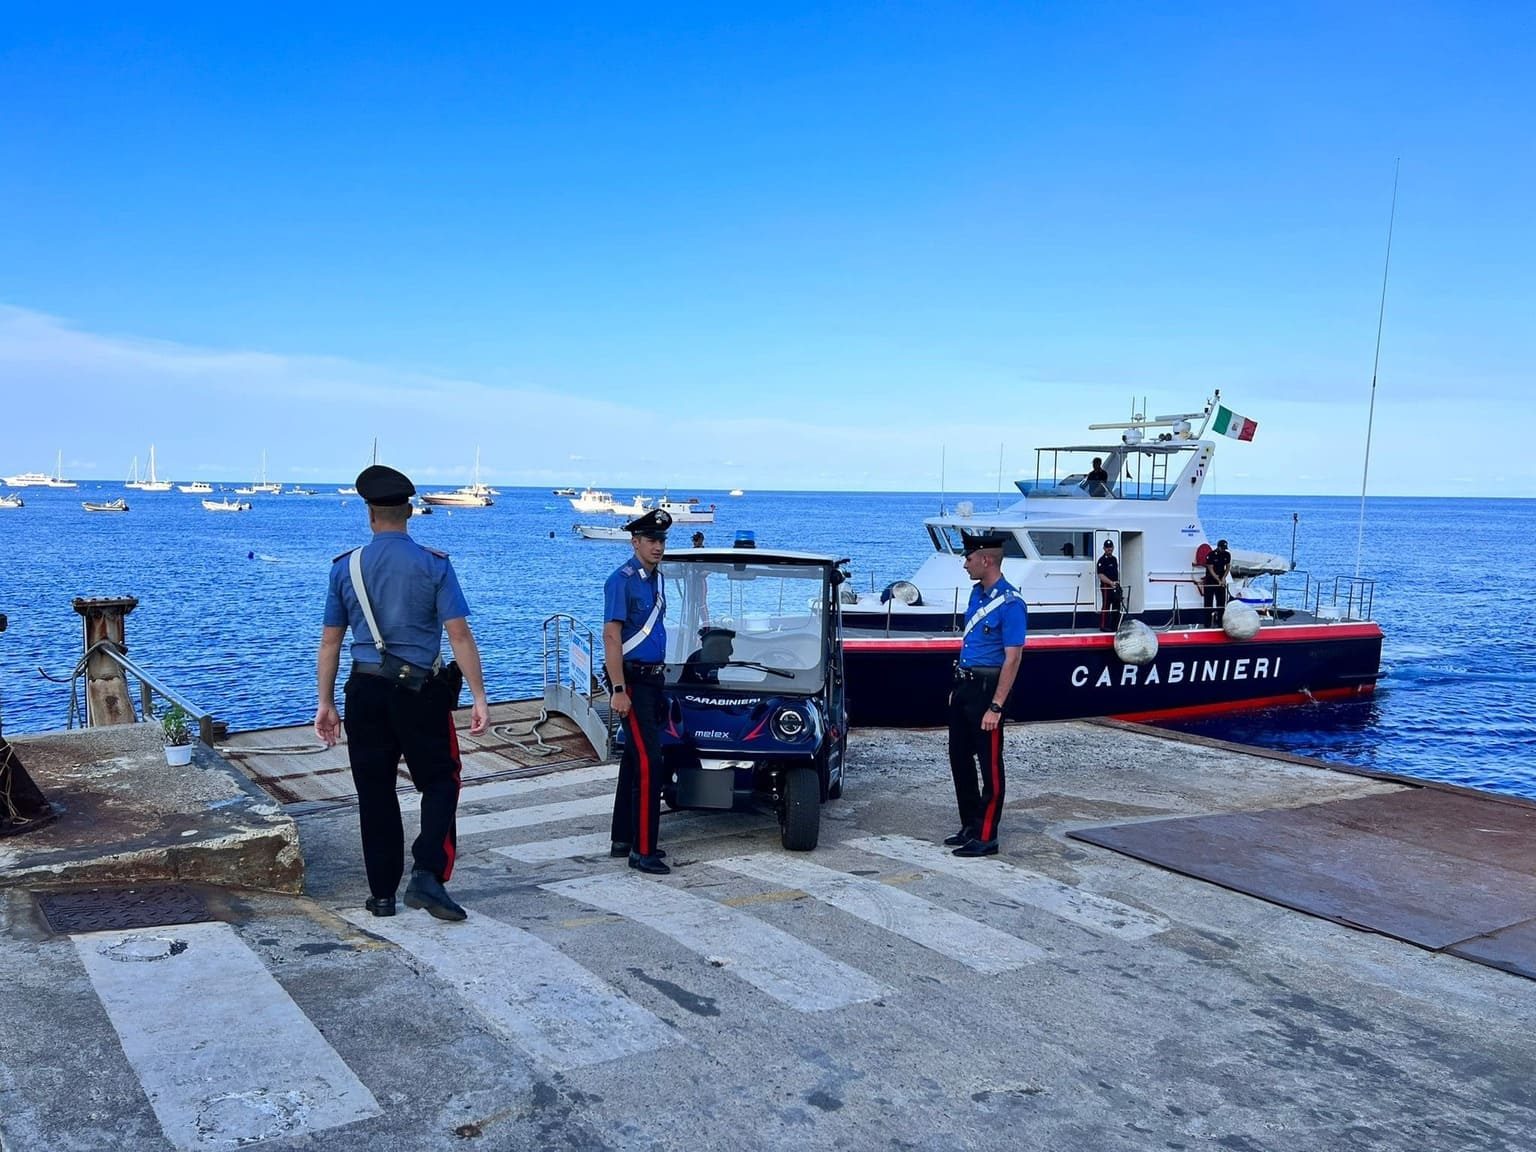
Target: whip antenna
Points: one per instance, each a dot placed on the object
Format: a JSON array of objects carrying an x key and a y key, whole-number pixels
[{"x": 1370, "y": 420}]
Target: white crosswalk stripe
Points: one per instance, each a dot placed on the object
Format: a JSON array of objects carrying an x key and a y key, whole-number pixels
[
  {"x": 977, "y": 946},
  {"x": 476, "y": 793},
  {"x": 225, "y": 1057},
  {"x": 1097, "y": 913},
  {"x": 679, "y": 830},
  {"x": 769, "y": 959},
  {"x": 535, "y": 814},
  {"x": 529, "y": 991}
]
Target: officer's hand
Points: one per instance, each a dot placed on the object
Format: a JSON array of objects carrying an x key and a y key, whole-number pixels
[
  {"x": 479, "y": 718},
  {"x": 990, "y": 721},
  {"x": 327, "y": 724},
  {"x": 620, "y": 703}
]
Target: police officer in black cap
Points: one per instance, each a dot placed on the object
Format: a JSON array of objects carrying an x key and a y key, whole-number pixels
[
  {"x": 399, "y": 697},
  {"x": 993, "y": 644},
  {"x": 634, "y": 656},
  {"x": 1218, "y": 562}
]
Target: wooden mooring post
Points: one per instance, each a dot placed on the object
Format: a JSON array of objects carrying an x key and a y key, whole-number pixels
[{"x": 108, "y": 699}]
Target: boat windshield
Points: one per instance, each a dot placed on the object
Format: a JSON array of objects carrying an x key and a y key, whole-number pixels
[
  {"x": 1107, "y": 472},
  {"x": 749, "y": 625},
  {"x": 948, "y": 538}
]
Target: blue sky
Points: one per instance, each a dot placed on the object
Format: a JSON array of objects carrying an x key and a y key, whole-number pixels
[{"x": 782, "y": 246}]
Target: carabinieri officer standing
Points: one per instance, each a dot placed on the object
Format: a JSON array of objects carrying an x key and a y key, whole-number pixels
[
  {"x": 995, "y": 623},
  {"x": 634, "y": 656},
  {"x": 400, "y": 699}
]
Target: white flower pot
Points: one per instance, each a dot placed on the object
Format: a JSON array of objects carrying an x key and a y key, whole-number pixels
[{"x": 178, "y": 754}]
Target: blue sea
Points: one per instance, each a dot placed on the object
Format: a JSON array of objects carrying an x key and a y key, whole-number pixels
[{"x": 230, "y": 605}]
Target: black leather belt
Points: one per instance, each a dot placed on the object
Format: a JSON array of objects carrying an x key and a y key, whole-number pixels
[
  {"x": 648, "y": 673},
  {"x": 978, "y": 672}
]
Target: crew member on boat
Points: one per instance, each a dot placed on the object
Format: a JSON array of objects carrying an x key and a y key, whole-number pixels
[
  {"x": 1218, "y": 562},
  {"x": 993, "y": 643},
  {"x": 1109, "y": 584},
  {"x": 634, "y": 655}
]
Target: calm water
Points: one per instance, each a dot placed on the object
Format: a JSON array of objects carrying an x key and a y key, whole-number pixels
[{"x": 230, "y": 605}]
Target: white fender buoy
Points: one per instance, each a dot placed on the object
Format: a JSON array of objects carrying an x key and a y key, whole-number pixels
[
  {"x": 1239, "y": 620},
  {"x": 1135, "y": 643}
]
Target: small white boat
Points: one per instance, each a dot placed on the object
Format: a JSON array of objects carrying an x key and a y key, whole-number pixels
[
  {"x": 42, "y": 479},
  {"x": 300, "y": 490},
  {"x": 688, "y": 511},
  {"x": 260, "y": 486},
  {"x": 12, "y": 502},
  {"x": 472, "y": 495},
  {"x": 563, "y": 491},
  {"x": 420, "y": 509},
  {"x": 347, "y": 491},
  {"x": 227, "y": 505},
  {"x": 196, "y": 488},
  {"x": 118, "y": 505},
  {"x": 600, "y": 532},
  {"x": 737, "y": 492}
]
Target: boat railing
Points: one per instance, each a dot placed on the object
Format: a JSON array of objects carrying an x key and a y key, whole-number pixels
[
  {"x": 573, "y": 654},
  {"x": 151, "y": 688}
]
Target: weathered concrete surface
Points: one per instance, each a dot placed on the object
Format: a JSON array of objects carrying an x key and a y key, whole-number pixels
[
  {"x": 125, "y": 815},
  {"x": 1231, "y": 1025}
]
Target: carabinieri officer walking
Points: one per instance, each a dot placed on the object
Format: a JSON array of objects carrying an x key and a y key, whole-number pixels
[
  {"x": 634, "y": 656},
  {"x": 995, "y": 624},
  {"x": 400, "y": 699}
]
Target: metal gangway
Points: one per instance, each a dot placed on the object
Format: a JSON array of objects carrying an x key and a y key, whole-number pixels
[{"x": 573, "y": 686}]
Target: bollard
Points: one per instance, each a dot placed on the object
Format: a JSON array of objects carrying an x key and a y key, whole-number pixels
[{"x": 107, "y": 698}]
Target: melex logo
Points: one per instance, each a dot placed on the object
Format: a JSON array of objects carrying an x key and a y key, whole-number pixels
[
  {"x": 1190, "y": 530},
  {"x": 721, "y": 701},
  {"x": 1178, "y": 672},
  {"x": 710, "y": 734}
]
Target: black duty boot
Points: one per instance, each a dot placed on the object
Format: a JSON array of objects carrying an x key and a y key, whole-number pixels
[
  {"x": 380, "y": 905},
  {"x": 426, "y": 891},
  {"x": 959, "y": 837},
  {"x": 975, "y": 847},
  {"x": 652, "y": 863}
]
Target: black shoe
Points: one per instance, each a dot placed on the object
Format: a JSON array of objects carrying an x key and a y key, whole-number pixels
[
  {"x": 959, "y": 837},
  {"x": 426, "y": 891},
  {"x": 652, "y": 864},
  {"x": 623, "y": 848},
  {"x": 380, "y": 905},
  {"x": 975, "y": 847}
]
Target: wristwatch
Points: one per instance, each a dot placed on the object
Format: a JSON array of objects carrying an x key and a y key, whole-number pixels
[
  {"x": 994, "y": 707},
  {"x": 617, "y": 688}
]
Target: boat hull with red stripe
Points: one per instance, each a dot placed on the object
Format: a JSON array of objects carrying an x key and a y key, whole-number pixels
[{"x": 903, "y": 681}]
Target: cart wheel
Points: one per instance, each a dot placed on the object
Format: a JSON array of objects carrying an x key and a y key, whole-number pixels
[
  {"x": 800, "y": 810},
  {"x": 669, "y": 796}
]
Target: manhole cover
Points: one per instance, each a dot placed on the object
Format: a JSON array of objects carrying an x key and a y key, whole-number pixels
[{"x": 105, "y": 909}]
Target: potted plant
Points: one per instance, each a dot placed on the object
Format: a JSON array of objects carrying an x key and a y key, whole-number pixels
[{"x": 178, "y": 736}]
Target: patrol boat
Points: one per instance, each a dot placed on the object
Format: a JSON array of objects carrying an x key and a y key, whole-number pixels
[{"x": 1309, "y": 640}]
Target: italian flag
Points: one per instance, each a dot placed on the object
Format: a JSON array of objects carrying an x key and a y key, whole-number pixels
[{"x": 1229, "y": 423}]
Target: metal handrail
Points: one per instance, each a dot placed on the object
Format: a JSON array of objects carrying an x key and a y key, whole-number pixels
[{"x": 149, "y": 686}]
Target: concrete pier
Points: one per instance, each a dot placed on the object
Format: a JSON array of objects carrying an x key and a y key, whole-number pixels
[{"x": 874, "y": 994}]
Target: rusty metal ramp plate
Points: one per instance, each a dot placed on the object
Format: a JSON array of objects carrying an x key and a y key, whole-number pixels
[
  {"x": 107, "y": 909},
  {"x": 1445, "y": 871}
]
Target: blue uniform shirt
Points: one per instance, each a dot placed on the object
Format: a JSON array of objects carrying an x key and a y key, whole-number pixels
[
  {"x": 413, "y": 591},
  {"x": 628, "y": 597},
  {"x": 1003, "y": 627}
]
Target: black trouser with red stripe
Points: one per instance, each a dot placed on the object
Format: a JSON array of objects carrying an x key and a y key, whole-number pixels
[
  {"x": 385, "y": 721},
  {"x": 971, "y": 747},
  {"x": 637, "y": 797},
  {"x": 1215, "y": 603}
]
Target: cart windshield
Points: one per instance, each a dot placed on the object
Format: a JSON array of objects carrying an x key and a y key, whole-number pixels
[{"x": 747, "y": 624}]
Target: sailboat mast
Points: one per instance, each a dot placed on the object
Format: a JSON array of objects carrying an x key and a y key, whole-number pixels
[{"x": 1381, "y": 316}]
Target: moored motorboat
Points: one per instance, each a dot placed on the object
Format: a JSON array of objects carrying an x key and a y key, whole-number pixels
[
  {"x": 227, "y": 505},
  {"x": 8, "y": 501},
  {"x": 196, "y": 488},
  {"x": 472, "y": 495},
  {"x": 600, "y": 532},
  {"x": 1309, "y": 642},
  {"x": 592, "y": 500},
  {"x": 42, "y": 479},
  {"x": 118, "y": 505},
  {"x": 563, "y": 491},
  {"x": 690, "y": 511}
]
